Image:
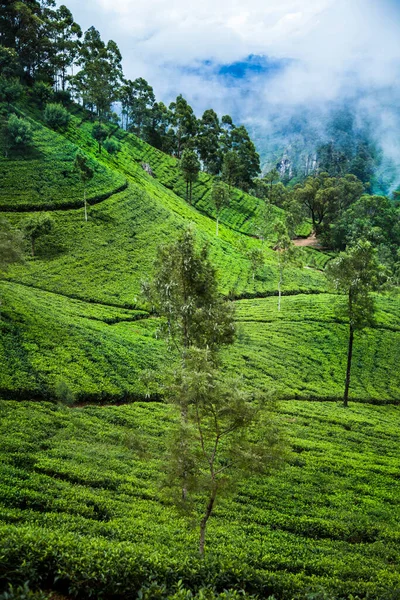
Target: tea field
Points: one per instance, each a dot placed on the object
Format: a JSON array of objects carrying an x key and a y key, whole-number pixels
[{"x": 83, "y": 511}]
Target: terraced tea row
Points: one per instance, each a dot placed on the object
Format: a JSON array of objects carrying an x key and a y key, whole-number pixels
[{"x": 82, "y": 508}]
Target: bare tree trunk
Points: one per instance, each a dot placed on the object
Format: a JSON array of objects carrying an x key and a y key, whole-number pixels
[
  {"x": 280, "y": 289},
  {"x": 348, "y": 370},
  {"x": 84, "y": 202},
  {"x": 203, "y": 522}
]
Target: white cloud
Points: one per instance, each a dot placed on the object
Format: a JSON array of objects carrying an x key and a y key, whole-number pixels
[{"x": 336, "y": 49}]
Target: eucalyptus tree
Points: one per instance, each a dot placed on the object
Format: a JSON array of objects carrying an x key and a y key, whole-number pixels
[
  {"x": 137, "y": 103},
  {"x": 66, "y": 34},
  {"x": 190, "y": 167},
  {"x": 208, "y": 142},
  {"x": 225, "y": 437},
  {"x": 220, "y": 199},
  {"x": 86, "y": 173},
  {"x": 183, "y": 123},
  {"x": 356, "y": 273},
  {"x": 100, "y": 76},
  {"x": 286, "y": 252},
  {"x": 185, "y": 292}
]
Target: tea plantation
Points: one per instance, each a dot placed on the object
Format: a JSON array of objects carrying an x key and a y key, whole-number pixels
[{"x": 83, "y": 512}]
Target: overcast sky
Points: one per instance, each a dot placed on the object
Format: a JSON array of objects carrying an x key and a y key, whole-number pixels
[
  {"x": 319, "y": 48},
  {"x": 261, "y": 58}
]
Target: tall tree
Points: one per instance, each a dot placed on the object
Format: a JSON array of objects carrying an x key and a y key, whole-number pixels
[
  {"x": 286, "y": 254},
  {"x": 249, "y": 159},
  {"x": 231, "y": 169},
  {"x": 224, "y": 438},
  {"x": 99, "y": 79},
  {"x": 185, "y": 293},
  {"x": 208, "y": 142},
  {"x": 157, "y": 130},
  {"x": 86, "y": 173},
  {"x": 100, "y": 134},
  {"x": 356, "y": 273},
  {"x": 183, "y": 122},
  {"x": 138, "y": 100},
  {"x": 66, "y": 35},
  {"x": 220, "y": 199},
  {"x": 190, "y": 167},
  {"x": 257, "y": 260}
]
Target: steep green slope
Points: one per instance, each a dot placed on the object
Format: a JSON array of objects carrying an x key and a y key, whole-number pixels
[
  {"x": 82, "y": 510},
  {"x": 244, "y": 212},
  {"x": 43, "y": 176},
  {"x": 106, "y": 258},
  {"x": 301, "y": 351},
  {"x": 99, "y": 351}
]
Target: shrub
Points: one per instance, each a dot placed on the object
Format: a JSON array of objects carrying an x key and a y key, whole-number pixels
[
  {"x": 18, "y": 132},
  {"x": 42, "y": 93},
  {"x": 112, "y": 146},
  {"x": 10, "y": 90},
  {"x": 56, "y": 116}
]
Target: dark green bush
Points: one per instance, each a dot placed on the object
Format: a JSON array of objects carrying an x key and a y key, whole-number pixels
[
  {"x": 112, "y": 146},
  {"x": 18, "y": 132},
  {"x": 56, "y": 116}
]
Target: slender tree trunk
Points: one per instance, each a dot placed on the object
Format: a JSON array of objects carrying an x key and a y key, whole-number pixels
[
  {"x": 33, "y": 246},
  {"x": 84, "y": 202},
  {"x": 279, "y": 289},
  {"x": 203, "y": 522},
  {"x": 348, "y": 370}
]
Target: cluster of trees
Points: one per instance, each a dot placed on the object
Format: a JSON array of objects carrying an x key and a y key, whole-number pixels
[
  {"x": 41, "y": 45},
  {"x": 340, "y": 210}
]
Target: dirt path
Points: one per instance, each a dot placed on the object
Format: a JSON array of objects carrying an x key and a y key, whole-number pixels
[{"x": 310, "y": 241}]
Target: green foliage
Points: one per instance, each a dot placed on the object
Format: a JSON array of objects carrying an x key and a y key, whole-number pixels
[
  {"x": 42, "y": 93},
  {"x": 37, "y": 226},
  {"x": 46, "y": 179},
  {"x": 18, "y": 133},
  {"x": 81, "y": 510},
  {"x": 185, "y": 292},
  {"x": 326, "y": 198},
  {"x": 22, "y": 593},
  {"x": 11, "y": 245},
  {"x": 190, "y": 167},
  {"x": 220, "y": 198},
  {"x": 100, "y": 133},
  {"x": 10, "y": 90},
  {"x": 112, "y": 146},
  {"x": 63, "y": 393},
  {"x": 100, "y": 74},
  {"x": 56, "y": 116},
  {"x": 220, "y": 439}
]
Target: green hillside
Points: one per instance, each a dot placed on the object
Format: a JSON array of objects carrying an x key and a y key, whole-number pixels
[
  {"x": 43, "y": 177},
  {"x": 82, "y": 511}
]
